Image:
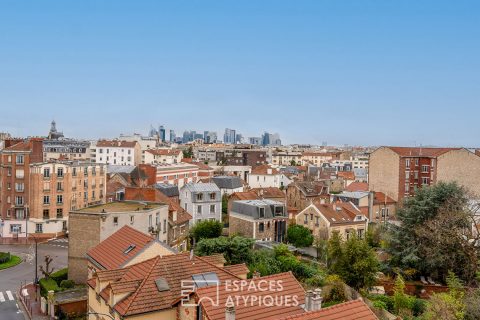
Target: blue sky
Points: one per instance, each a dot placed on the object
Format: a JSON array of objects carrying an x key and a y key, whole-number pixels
[{"x": 346, "y": 72}]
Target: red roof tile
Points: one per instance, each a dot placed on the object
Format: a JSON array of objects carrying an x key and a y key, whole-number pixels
[
  {"x": 351, "y": 310},
  {"x": 164, "y": 152},
  {"x": 248, "y": 195},
  {"x": 380, "y": 198},
  {"x": 264, "y": 169},
  {"x": 110, "y": 252},
  {"x": 237, "y": 269},
  {"x": 349, "y": 175},
  {"x": 357, "y": 186},
  {"x": 252, "y": 310},
  {"x": 270, "y": 192}
]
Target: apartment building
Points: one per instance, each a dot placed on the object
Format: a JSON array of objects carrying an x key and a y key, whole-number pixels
[
  {"x": 286, "y": 158},
  {"x": 56, "y": 146},
  {"x": 146, "y": 143},
  {"x": 167, "y": 156},
  {"x": 264, "y": 220},
  {"x": 319, "y": 157},
  {"x": 265, "y": 176},
  {"x": 399, "y": 171},
  {"x": 57, "y": 187},
  {"x": 202, "y": 200},
  {"x": 15, "y": 161},
  {"x": 91, "y": 225},
  {"x": 118, "y": 152},
  {"x": 178, "y": 174}
]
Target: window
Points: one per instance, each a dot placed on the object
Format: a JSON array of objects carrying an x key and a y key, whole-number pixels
[
  {"x": 165, "y": 225},
  {"x": 384, "y": 212},
  {"x": 261, "y": 213},
  {"x": 9, "y": 186},
  {"x": 46, "y": 172},
  {"x": 407, "y": 188},
  {"x": 407, "y": 175},
  {"x": 46, "y": 214},
  {"x": 59, "y": 186},
  {"x": 316, "y": 222},
  {"x": 9, "y": 159},
  {"x": 132, "y": 219},
  {"x": 60, "y": 172},
  {"x": 213, "y": 196},
  {"x": 415, "y": 174},
  {"x": 46, "y": 199},
  {"x": 59, "y": 199},
  {"x": 20, "y": 214},
  {"x": 305, "y": 221},
  {"x": 407, "y": 163},
  {"x": 18, "y": 200},
  {"x": 424, "y": 169},
  {"x": 279, "y": 211},
  {"x": 15, "y": 228},
  {"x": 19, "y": 187},
  {"x": 425, "y": 181},
  {"x": 261, "y": 227},
  {"x": 200, "y": 196},
  {"x": 150, "y": 220},
  {"x": 19, "y": 159},
  {"x": 157, "y": 219},
  {"x": 199, "y": 209},
  {"x": 416, "y": 162},
  {"x": 212, "y": 208},
  {"x": 39, "y": 228},
  {"x": 115, "y": 221},
  {"x": 9, "y": 172},
  {"x": 74, "y": 171},
  {"x": 85, "y": 171},
  {"x": 59, "y": 213},
  {"x": 19, "y": 173},
  {"x": 360, "y": 233}
]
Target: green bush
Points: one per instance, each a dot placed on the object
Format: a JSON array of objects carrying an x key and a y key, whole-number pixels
[
  {"x": 67, "y": 284},
  {"x": 4, "y": 257},
  {"x": 387, "y": 300},
  {"x": 47, "y": 285},
  {"x": 60, "y": 275},
  {"x": 380, "y": 305}
]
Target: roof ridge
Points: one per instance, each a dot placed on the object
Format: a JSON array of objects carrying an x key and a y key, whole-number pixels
[{"x": 143, "y": 282}]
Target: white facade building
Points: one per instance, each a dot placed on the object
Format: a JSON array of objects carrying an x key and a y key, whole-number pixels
[{"x": 202, "y": 200}]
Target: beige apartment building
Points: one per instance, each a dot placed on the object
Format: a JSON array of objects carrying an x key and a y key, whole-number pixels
[
  {"x": 399, "y": 171},
  {"x": 60, "y": 186}
]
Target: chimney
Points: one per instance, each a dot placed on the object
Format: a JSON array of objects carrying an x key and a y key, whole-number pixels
[
  {"x": 371, "y": 197},
  {"x": 256, "y": 275},
  {"x": 229, "y": 310},
  {"x": 308, "y": 300},
  {"x": 317, "y": 300}
]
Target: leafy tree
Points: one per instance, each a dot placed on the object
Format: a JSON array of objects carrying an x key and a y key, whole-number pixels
[
  {"x": 188, "y": 153},
  {"x": 402, "y": 302},
  {"x": 235, "y": 249},
  {"x": 447, "y": 305},
  {"x": 435, "y": 233},
  {"x": 293, "y": 163},
  {"x": 264, "y": 262},
  {"x": 206, "y": 229},
  {"x": 472, "y": 305},
  {"x": 299, "y": 236},
  {"x": 354, "y": 261}
]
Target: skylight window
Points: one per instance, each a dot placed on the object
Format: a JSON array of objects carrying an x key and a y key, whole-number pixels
[
  {"x": 129, "y": 249},
  {"x": 205, "y": 279}
]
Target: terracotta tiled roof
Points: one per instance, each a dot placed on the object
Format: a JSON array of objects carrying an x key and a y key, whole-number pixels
[
  {"x": 173, "y": 269},
  {"x": 263, "y": 170},
  {"x": 420, "y": 152},
  {"x": 215, "y": 259},
  {"x": 237, "y": 269},
  {"x": 357, "y": 186},
  {"x": 248, "y": 195},
  {"x": 116, "y": 143},
  {"x": 164, "y": 152},
  {"x": 380, "y": 198},
  {"x": 351, "y": 310},
  {"x": 339, "y": 213},
  {"x": 20, "y": 146},
  {"x": 110, "y": 253},
  {"x": 270, "y": 192},
  {"x": 254, "y": 311},
  {"x": 349, "y": 175}
]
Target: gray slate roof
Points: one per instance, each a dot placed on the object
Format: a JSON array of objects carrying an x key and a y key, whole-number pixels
[
  {"x": 169, "y": 190},
  {"x": 251, "y": 208},
  {"x": 201, "y": 187},
  {"x": 228, "y": 182}
]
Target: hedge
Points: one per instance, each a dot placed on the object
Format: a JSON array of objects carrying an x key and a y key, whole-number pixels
[
  {"x": 60, "y": 275},
  {"x": 47, "y": 285},
  {"x": 67, "y": 284},
  {"x": 4, "y": 257}
]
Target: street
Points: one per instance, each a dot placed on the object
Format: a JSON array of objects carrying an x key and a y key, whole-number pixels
[{"x": 11, "y": 279}]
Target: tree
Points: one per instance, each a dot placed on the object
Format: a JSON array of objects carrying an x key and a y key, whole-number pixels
[
  {"x": 47, "y": 271},
  {"x": 188, "y": 153},
  {"x": 353, "y": 260},
  {"x": 206, "y": 229},
  {"x": 435, "y": 234},
  {"x": 447, "y": 305},
  {"x": 472, "y": 305},
  {"x": 293, "y": 163},
  {"x": 234, "y": 249},
  {"x": 299, "y": 236},
  {"x": 402, "y": 302}
]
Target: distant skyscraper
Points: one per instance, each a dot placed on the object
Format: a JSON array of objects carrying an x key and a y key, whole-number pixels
[
  {"x": 238, "y": 138},
  {"x": 209, "y": 136},
  {"x": 269, "y": 139},
  {"x": 189, "y": 136},
  {"x": 161, "y": 133},
  {"x": 255, "y": 140},
  {"x": 229, "y": 136},
  {"x": 173, "y": 136}
]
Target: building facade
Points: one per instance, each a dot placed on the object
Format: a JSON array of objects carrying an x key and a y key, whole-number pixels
[
  {"x": 118, "y": 152},
  {"x": 178, "y": 174},
  {"x": 202, "y": 200}
]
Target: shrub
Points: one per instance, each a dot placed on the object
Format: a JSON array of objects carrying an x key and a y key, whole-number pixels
[
  {"x": 380, "y": 305},
  {"x": 4, "y": 257},
  {"x": 47, "y": 285},
  {"x": 67, "y": 284},
  {"x": 386, "y": 300},
  {"x": 206, "y": 229},
  {"x": 299, "y": 236},
  {"x": 59, "y": 275}
]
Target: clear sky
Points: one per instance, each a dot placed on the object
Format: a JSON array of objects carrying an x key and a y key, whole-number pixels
[{"x": 346, "y": 72}]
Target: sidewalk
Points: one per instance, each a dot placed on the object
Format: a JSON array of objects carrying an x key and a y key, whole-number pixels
[{"x": 31, "y": 306}]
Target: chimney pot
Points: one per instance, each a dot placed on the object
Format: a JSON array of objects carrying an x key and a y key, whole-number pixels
[
  {"x": 308, "y": 300},
  {"x": 229, "y": 310},
  {"x": 317, "y": 300}
]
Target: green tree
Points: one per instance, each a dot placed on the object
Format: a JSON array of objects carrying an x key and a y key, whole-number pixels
[
  {"x": 448, "y": 305},
  {"x": 402, "y": 302},
  {"x": 293, "y": 163},
  {"x": 188, "y": 153},
  {"x": 206, "y": 229},
  {"x": 299, "y": 236},
  {"x": 354, "y": 261},
  {"x": 234, "y": 249},
  {"x": 435, "y": 233}
]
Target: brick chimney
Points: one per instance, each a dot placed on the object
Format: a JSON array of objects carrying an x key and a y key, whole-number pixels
[{"x": 229, "y": 310}]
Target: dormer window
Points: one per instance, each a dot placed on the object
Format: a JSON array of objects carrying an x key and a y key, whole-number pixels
[
  {"x": 129, "y": 249},
  {"x": 261, "y": 213}
]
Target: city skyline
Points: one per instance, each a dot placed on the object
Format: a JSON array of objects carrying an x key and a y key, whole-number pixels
[{"x": 357, "y": 73}]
